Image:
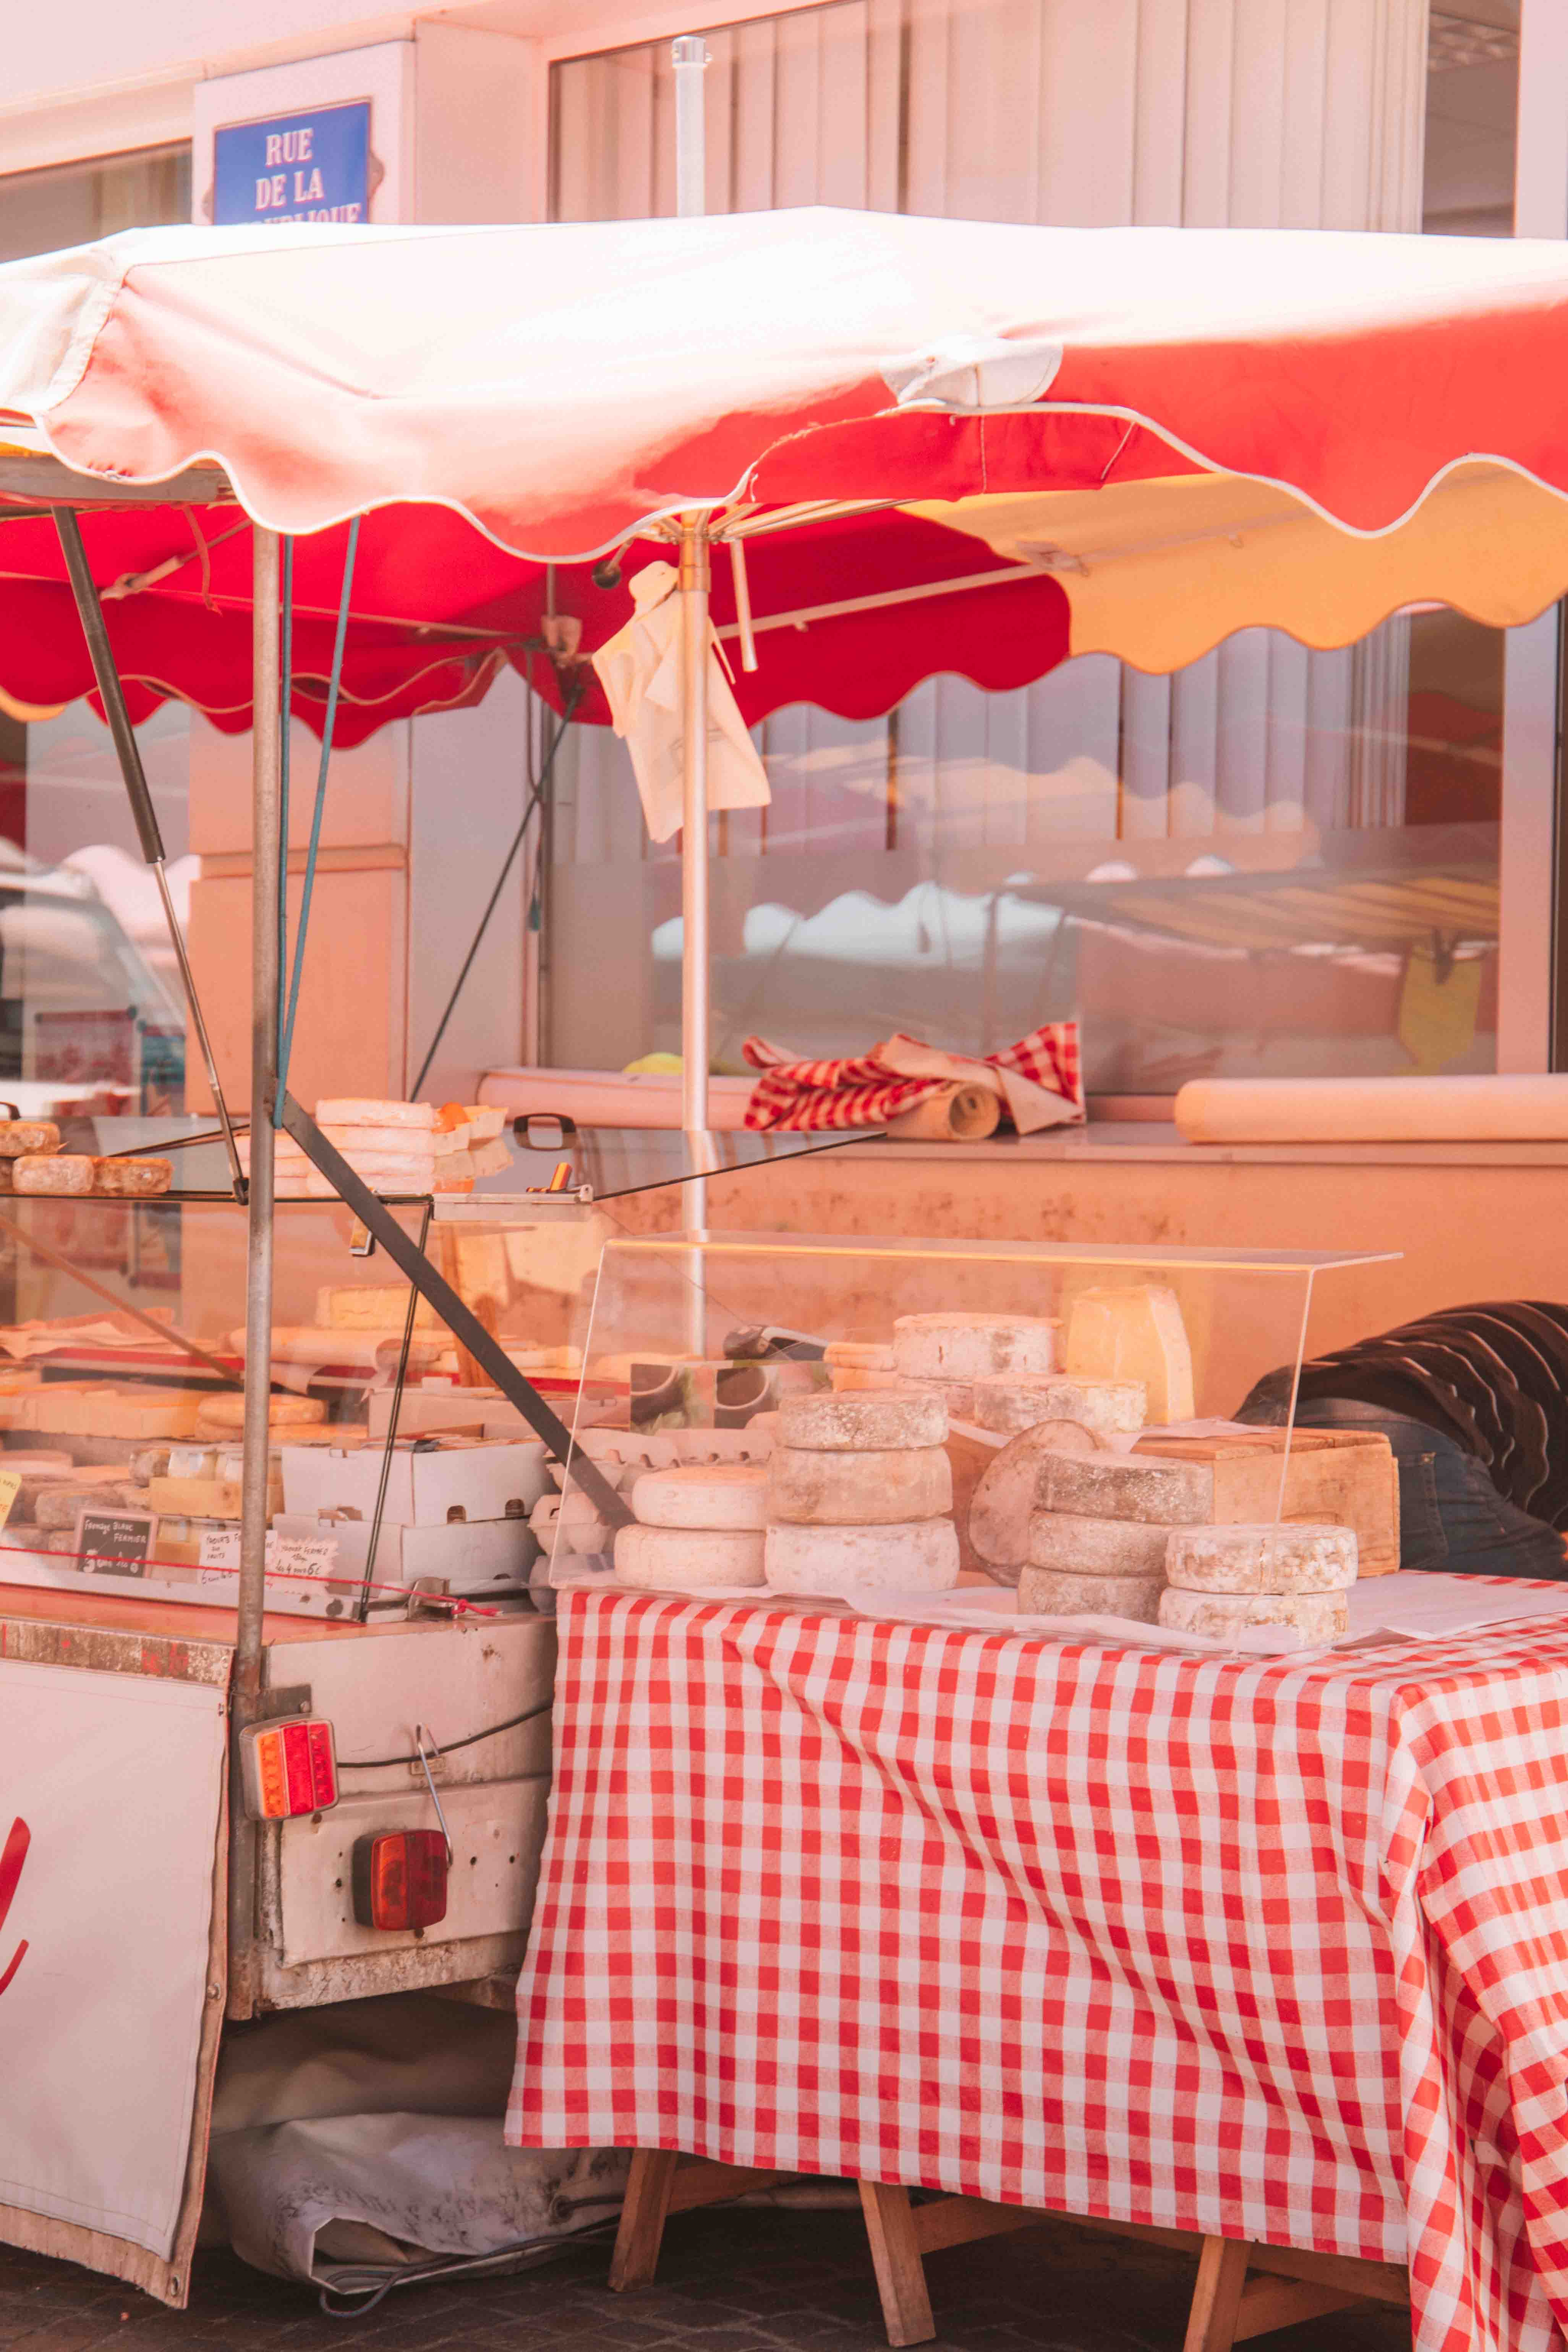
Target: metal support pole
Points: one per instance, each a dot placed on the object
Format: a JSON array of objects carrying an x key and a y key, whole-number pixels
[
  {"x": 268, "y": 867},
  {"x": 688, "y": 56}
]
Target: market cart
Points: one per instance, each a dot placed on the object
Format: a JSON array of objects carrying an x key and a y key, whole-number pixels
[{"x": 920, "y": 446}]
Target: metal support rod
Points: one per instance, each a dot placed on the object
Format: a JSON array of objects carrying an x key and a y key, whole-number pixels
[
  {"x": 128, "y": 752},
  {"x": 694, "y": 1046},
  {"x": 265, "y": 966},
  {"x": 688, "y": 56},
  {"x": 454, "y": 1313}
]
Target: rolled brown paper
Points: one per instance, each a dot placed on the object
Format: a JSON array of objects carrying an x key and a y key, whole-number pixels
[{"x": 960, "y": 1113}]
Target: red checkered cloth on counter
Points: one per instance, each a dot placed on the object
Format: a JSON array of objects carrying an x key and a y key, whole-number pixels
[
  {"x": 1272, "y": 1949},
  {"x": 1039, "y": 1081}
]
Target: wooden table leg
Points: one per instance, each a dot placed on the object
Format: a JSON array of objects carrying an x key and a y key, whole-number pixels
[
  {"x": 648, "y": 2184},
  {"x": 1216, "y": 2298},
  {"x": 896, "y": 2258}
]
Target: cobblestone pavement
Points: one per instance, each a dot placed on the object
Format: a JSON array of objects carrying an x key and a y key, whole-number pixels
[{"x": 729, "y": 2282}]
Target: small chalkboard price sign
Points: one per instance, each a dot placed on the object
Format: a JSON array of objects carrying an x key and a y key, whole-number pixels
[{"x": 115, "y": 1543}]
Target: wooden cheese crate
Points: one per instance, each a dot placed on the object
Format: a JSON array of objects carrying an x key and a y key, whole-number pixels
[{"x": 1343, "y": 1477}]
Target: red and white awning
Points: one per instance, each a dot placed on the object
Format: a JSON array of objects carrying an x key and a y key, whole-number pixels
[{"x": 993, "y": 447}]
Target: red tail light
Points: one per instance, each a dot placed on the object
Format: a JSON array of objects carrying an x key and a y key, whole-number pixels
[
  {"x": 400, "y": 1879},
  {"x": 289, "y": 1768}
]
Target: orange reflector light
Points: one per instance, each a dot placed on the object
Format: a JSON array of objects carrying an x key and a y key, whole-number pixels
[
  {"x": 289, "y": 1768},
  {"x": 400, "y": 1879}
]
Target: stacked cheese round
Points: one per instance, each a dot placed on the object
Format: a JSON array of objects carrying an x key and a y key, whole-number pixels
[
  {"x": 949, "y": 1354},
  {"x": 859, "y": 1493},
  {"x": 1220, "y": 1579},
  {"x": 699, "y": 1525}
]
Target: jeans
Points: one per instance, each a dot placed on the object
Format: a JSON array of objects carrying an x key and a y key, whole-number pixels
[{"x": 1451, "y": 1516}]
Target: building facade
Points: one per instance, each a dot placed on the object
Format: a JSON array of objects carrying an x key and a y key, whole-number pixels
[{"x": 1275, "y": 862}]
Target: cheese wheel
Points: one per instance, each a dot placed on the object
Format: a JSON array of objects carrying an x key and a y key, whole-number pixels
[
  {"x": 684, "y": 1559},
  {"x": 27, "y": 1135},
  {"x": 1136, "y": 1334},
  {"x": 712, "y": 1494},
  {"x": 919, "y": 1556},
  {"x": 1316, "y": 1616},
  {"x": 1148, "y": 1486},
  {"x": 361, "y": 1110},
  {"x": 1080, "y": 1547},
  {"x": 860, "y": 1489},
  {"x": 60, "y": 1171},
  {"x": 1009, "y": 1490},
  {"x": 132, "y": 1180},
  {"x": 227, "y": 1411},
  {"x": 1053, "y": 1592},
  {"x": 973, "y": 1347},
  {"x": 1272, "y": 1559},
  {"x": 862, "y": 1422},
  {"x": 1010, "y": 1406}
]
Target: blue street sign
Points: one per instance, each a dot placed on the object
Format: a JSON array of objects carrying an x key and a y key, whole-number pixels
[{"x": 313, "y": 166}]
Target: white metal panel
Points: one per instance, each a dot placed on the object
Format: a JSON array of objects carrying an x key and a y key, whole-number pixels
[
  {"x": 454, "y": 1679},
  {"x": 497, "y": 1829}
]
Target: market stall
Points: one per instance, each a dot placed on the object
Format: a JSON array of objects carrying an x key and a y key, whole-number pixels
[{"x": 923, "y": 445}]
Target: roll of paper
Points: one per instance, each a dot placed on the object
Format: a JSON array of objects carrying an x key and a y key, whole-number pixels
[{"x": 959, "y": 1114}]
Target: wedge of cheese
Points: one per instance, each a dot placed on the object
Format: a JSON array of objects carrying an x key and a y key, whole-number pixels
[{"x": 1134, "y": 1334}]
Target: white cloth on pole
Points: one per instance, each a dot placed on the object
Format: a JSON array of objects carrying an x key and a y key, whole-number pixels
[{"x": 639, "y": 668}]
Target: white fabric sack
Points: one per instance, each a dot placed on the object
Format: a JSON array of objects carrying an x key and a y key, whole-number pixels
[
  {"x": 370, "y": 2133},
  {"x": 639, "y": 668}
]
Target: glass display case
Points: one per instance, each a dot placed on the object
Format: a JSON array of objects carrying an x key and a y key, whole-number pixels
[
  {"x": 1136, "y": 1357},
  {"x": 399, "y": 1476}
]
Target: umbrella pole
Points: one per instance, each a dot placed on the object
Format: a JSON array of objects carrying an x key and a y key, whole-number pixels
[
  {"x": 694, "y": 979},
  {"x": 267, "y": 742}
]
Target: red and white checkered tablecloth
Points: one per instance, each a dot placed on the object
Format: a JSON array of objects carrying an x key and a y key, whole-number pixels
[{"x": 1271, "y": 1948}]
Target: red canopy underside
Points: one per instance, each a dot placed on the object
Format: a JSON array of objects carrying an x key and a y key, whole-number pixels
[{"x": 437, "y": 609}]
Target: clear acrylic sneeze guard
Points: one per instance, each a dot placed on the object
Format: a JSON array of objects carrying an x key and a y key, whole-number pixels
[{"x": 689, "y": 1340}]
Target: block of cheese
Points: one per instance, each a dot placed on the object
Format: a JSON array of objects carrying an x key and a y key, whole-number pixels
[
  {"x": 1338, "y": 1477},
  {"x": 132, "y": 1180},
  {"x": 706, "y": 1495},
  {"x": 1273, "y": 1559},
  {"x": 129, "y": 1415},
  {"x": 920, "y": 1555},
  {"x": 1010, "y": 1405},
  {"x": 858, "y": 1490},
  {"x": 858, "y": 1355},
  {"x": 684, "y": 1559},
  {"x": 27, "y": 1135},
  {"x": 958, "y": 1396},
  {"x": 205, "y": 1498},
  {"x": 1081, "y": 1547},
  {"x": 1134, "y": 1334},
  {"x": 865, "y": 1421},
  {"x": 59, "y": 1502},
  {"x": 1010, "y": 1490},
  {"x": 973, "y": 1347},
  {"x": 217, "y": 1415},
  {"x": 359, "y": 1111},
  {"x": 1057, "y": 1593},
  {"x": 486, "y": 1125},
  {"x": 60, "y": 1171},
  {"x": 1315, "y": 1616},
  {"x": 374, "y": 1306}
]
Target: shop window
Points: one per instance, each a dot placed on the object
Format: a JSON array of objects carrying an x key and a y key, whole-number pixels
[
  {"x": 89, "y": 995},
  {"x": 1276, "y": 861},
  {"x": 1472, "y": 115}
]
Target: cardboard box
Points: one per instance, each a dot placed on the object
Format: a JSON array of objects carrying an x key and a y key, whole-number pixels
[
  {"x": 424, "y": 1489},
  {"x": 471, "y": 1557}
]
